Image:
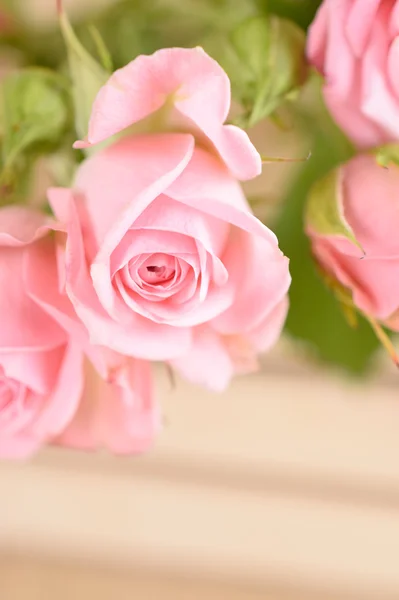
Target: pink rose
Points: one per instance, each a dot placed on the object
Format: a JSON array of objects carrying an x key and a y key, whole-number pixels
[
  {"x": 366, "y": 260},
  {"x": 41, "y": 377},
  {"x": 118, "y": 414},
  {"x": 355, "y": 45},
  {"x": 42, "y": 347},
  {"x": 164, "y": 260}
]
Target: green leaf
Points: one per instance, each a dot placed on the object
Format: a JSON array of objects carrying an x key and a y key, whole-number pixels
[
  {"x": 34, "y": 114},
  {"x": 34, "y": 110},
  {"x": 87, "y": 75},
  {"x": 264, "y": 58},
  {"x": 315, "y": 317},
  {"x": 324, "y": 210},
  {"x": 102, "y": 51},
  {"x": 251, "y": 40},
  {"x": 286, "y": 69}
]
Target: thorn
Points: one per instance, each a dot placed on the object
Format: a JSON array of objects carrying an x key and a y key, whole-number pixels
[
  {"x": 271, "y": 159},
  {"x": 59, "y": 7}
]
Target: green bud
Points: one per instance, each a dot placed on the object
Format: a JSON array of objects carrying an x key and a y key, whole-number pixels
[{"x": 265, "y": 60}]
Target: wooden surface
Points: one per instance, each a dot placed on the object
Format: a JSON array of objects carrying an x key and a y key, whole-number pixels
[{"x": 287, "y": 485}]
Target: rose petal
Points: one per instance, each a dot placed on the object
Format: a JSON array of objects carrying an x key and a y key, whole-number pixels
[
  {"x": 192, "y": 81},
  {"x": 207, "y": 363},
  {"x": 317, "y": 37},
  {"x": 258, "y": 277},
  {"x": 379, "y": 103},
  {"x": 166, "y": 215},
  {"x": 23, "y": 323},
  {"x": 266, "y": 334},
  {"x": 393, "y": 66},
  {"x": 120, "y": 415},
  {"x": 374, "y": 224},
  {"x": 62, "y": 403},
  {"x": 359, "y": 24},
  {"x": 36, "y": 370},
  {"x": 20, "y": 226},
  {"x": 206, "y": 185}
]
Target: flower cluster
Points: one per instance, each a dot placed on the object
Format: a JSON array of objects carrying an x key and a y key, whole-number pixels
[{"x": 152, "y": 254}]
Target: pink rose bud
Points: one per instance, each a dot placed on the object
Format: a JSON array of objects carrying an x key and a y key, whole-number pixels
[
  {"x": 355, "y": 45},
  {"x": 352, "y": 219},
  {"x": 164, "y": 259}
]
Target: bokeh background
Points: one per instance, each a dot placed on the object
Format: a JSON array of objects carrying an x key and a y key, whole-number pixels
[{"x": 286, "y": 486}]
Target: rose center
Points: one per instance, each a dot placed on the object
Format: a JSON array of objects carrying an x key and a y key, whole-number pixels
[{"x": 157, "y": 269}]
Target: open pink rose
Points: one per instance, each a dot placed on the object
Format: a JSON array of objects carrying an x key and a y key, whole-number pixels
[
  {"x": 164, "y": 260},
  {"x": 43, "y": 389},
  {"x": 355, "y": 45},
  {"x": 367, "y": 194}
]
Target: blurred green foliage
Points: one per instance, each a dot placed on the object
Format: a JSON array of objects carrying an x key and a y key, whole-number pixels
[
  {"x": 264, "y": 59},
  {"x": 35, "y": 113}
]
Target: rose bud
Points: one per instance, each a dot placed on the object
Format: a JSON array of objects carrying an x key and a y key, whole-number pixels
[{"x": 352, "y": 218}]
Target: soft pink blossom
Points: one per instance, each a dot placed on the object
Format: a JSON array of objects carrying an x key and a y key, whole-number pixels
[
  {"x": 41, "y": 378},
  {"x": 164, "y": 258},
  {"x": 43, "y": 345},
  {"x": 355, "y": 45},
  {"x": 369, "y": 195}
]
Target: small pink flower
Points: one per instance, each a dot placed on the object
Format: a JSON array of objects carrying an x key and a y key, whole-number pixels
[
  {"x": 164, "y": 259},
  {"x": 355, "y": 45},
  {"x": 368, "y": 194}
]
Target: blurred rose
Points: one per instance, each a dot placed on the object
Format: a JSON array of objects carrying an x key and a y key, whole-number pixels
[
  {"x": 42, "y": 348},
  {"x": 355, "y": 45},
  {"x": 367, "y": 197},
  {"x": 118, "y": 414},
  {"x": 41, "y": 377},
  {"x": 164, "y": 259}
]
